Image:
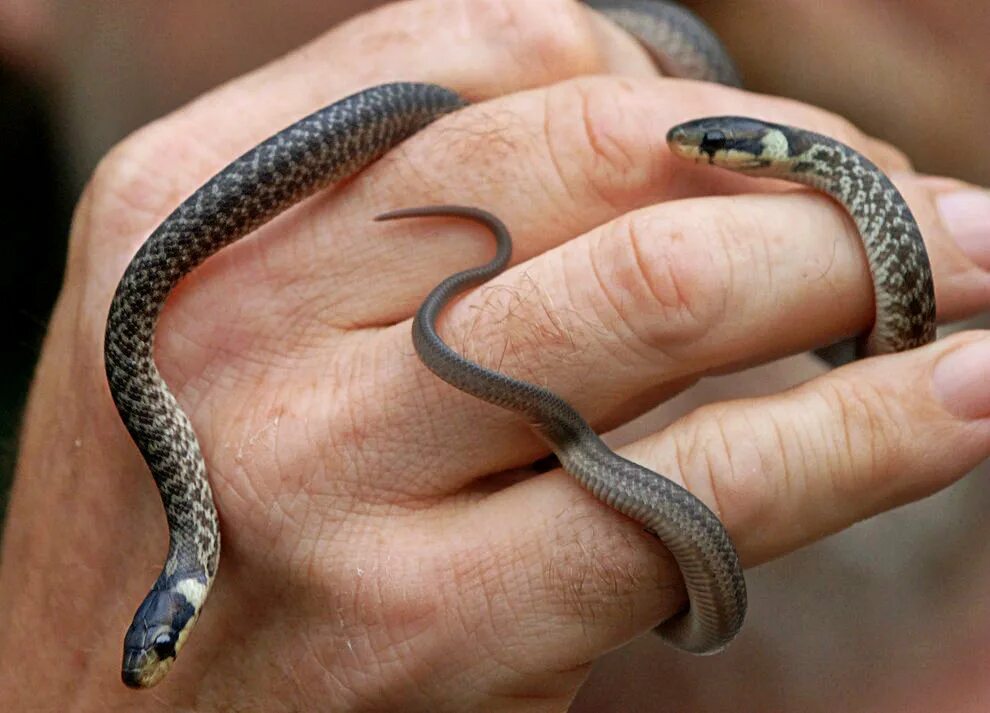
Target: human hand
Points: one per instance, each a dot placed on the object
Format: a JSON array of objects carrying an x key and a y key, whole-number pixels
[{"x": 380, "y": 550}]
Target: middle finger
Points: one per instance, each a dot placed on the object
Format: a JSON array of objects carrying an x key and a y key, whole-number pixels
[{"x": 662, "y": 296}]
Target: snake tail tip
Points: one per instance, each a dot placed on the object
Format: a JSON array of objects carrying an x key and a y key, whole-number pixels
[{"x": 425, "y": 211}]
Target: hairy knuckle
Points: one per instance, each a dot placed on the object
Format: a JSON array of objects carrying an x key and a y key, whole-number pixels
[
  {"x": 601, "y": 145},
  {"x": 552, "y": 34}
]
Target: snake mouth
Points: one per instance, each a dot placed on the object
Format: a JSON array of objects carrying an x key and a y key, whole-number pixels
[
  {"x": 142, "y": 669},
  {"x": 132, "y": 677},
  {"x": 132, "y": 671}
]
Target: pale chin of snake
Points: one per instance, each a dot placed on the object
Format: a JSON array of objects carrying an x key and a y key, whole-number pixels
[{"x": 329, "y": 145}]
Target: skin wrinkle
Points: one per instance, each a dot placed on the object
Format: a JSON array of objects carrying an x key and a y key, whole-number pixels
[
  {"x": 866, "y": 417},
  {"x": 711, "y": 467},
  {"x": 614, "y": 304},
  {"x": 668, "y": 266},
  {"x": 473, "y": 569},
  {"x": 555, "y": 161},
  {"x": 560, "y": 39},
  {"x": 602, "y": 332},
  {"x": 677, "y": 263},
  {"x": 784, "y": 475},
  {"x": 616, "y": 162},
  {"x": 686, "y": 450}
]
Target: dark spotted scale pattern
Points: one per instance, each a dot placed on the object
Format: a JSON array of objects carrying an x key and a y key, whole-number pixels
[
  {"x": 903, "y": 289},
  {"x": 326, "y": 146}
]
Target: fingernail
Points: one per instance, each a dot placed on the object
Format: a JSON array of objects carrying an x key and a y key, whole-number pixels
[
  {"x": 966, "y": 215},
  {"x": 962, "y": 380}
]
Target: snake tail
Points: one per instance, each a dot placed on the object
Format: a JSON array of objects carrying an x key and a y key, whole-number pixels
[{"x": 707, "y": 559}]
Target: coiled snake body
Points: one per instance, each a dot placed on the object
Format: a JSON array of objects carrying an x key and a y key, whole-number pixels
[{"x": 340, "y": 140}]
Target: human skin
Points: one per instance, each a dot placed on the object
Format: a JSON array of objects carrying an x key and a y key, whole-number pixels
[
  {"x": 382, "y": 551},
  {"x": 892, "y": 66}
]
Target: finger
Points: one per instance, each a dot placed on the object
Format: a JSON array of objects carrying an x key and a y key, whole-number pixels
[
  {"x": 490, "y": 47},
  {"x": 955, "y": 218},
  {"x": 614, "y": 321},
  {"x": 780, "y": 471},
  {"x": 558, "y": 161}
]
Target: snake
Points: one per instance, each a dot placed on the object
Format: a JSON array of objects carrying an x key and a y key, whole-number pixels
[{"x": 337, "y": 142}]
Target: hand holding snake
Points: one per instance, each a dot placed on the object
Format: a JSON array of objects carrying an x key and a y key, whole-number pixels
[{"x": 660, "y": 329}]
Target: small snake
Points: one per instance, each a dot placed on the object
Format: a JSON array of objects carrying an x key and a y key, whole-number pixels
[
  {"x": 693, "y": 534},
  {"x": 329, "y": 145},
  {"x": 706, "y": 557},
  {"x": 903, "y": 289}
]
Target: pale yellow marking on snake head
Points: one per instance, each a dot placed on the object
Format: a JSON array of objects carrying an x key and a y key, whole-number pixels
[
  {"x": 732, "y": 142},
  {"x": 160, "y": 629},
  {"x": 193, "y": 590}
]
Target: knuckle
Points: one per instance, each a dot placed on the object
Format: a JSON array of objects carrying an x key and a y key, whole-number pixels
[
  {"x": 552, "y": 36},
  {"x": 128, "y": 191},
  {"x": 729, "y": 461},
  {"x": 856, "y": 446},
  {"x": 669, "y": 279},
  {"x": 600, "y": 144}
]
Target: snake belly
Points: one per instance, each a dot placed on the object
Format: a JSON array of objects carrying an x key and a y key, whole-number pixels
[{"x": 327, "y": 146}]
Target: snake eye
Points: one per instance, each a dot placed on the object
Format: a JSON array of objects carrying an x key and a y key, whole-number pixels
[
  {"x": 713, "y": 141},
  {"x": 164, "y": 646}
]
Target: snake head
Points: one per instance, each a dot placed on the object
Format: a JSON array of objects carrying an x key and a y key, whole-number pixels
[
  {"x": 738, "y": 143},
  {"x": 160, "y": 628}
]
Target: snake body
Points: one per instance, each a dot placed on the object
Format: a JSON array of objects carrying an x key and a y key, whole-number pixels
[
  {"x": 326, "y": 146},
  {"x": 679, "y": 42},
  {"x": 706, "y": 557},
  {"x": 904, "y": 292}
]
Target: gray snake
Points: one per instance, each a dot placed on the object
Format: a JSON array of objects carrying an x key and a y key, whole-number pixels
[{"x": 337, "y": 142}]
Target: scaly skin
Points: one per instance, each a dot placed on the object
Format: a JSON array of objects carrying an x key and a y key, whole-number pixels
[{"x": 328, "y": 145}]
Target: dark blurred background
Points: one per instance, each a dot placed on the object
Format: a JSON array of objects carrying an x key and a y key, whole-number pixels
[{"x": 35, "y": 201}]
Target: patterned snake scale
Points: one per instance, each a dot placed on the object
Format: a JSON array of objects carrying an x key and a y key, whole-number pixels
[
  {"x": 340, "y": 140},
  {"x": 904, "y": 292}
]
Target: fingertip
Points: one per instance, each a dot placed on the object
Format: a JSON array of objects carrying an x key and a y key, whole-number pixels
[{"x": 961, "y": 378}]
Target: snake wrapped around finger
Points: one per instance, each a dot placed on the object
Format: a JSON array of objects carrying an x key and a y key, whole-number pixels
[{"x": 337, "y": 142}]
